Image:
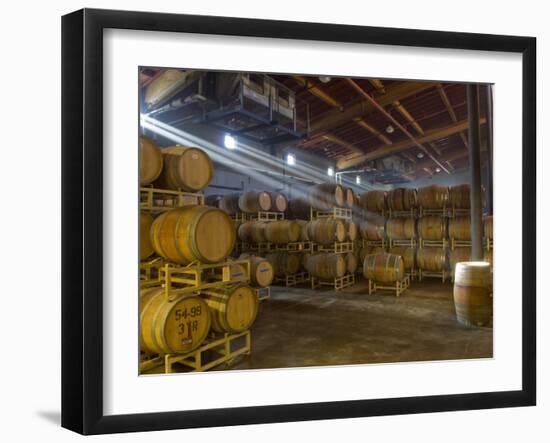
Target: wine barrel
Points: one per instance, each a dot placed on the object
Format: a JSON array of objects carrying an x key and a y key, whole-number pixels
[
  {"x": 193, "y": 233},
  {"x": 186, "y": 168},
  {"x": 150, "y": 161},
  {"x": 402, "y": 199},
  {"x": 298, "y": 208},
  {"x": 279, "y": 203},
  {"x": 255, "y": 201},
  {"x": 252, "y": 232},
  {"x": 233, "y": 308},
  {"x": 459, "y": 228},
  {"x": 172, "y": 327},
  {"x": 374, "y": 201},
  {"x": 229, "y": 203},
  {"x": 401, "y": 228},
  {"x": 349, "y": 198},
  {"x": 372, "y": 230},
  {"x": 261, "y": 271},
  {"x": 327, "y": 266},
  {"x": 303, "y": 230},
  {"x": 326, "y": 196},
  {"x": 351, "y": 263},
  {"x": 326, "y": 230},
  {"x": 145, "y": 248},
  {"x": 433, "y": 197},
  {"x": 283, "y": 263},
  {"x": 282, "y": 231},
  {"x": 488, "y": 226},
  {"x": 471, "y": 293},
  {"x": 351, "y": 230},
  {"x": 459, "y": 255},
  {"x": 384, "y": 268},
  {"x": 408, "y": 253},
  {"x": 370, "y": 250},
  {"x": 432, "y": 227},
  {"x": 459, "y": 196},
  {"x": 432, "y": 259}
]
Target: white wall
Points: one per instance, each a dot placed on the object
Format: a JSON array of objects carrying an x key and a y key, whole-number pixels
[{"x": 30, "y": 116}]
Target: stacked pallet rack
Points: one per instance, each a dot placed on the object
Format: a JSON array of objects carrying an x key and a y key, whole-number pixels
[
  {"x": 263, "y": 248},
  {"x": 398, "y": 287},
  {"x": 347, "y": 280},
  {"x": 443, "y": 243},
  {"x": 412, "y": 272},
  {"x": 178, "y": 281}
]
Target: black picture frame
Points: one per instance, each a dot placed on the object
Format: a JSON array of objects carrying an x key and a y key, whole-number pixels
[{"x": 82, "y": 218}]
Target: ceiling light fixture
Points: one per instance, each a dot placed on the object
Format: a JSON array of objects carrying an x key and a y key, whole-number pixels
[
  {"x": 229, "y": 142},
  {"x": 290, "y": 159},
  {"x": 390, "y": 129},
  {"x": 358, "y": 180},
  {"x": 324, "y": 78},
  {"x": 420, "y": 155},
  {"x": 330, "y": 171}
]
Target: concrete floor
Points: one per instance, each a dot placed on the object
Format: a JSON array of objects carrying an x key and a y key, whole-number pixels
[{"x": 300, "y": 327}]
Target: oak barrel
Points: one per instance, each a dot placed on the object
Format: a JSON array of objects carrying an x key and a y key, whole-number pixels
[
  {"x": 326, "y": 196},
  {"x": 372, "y": 230},
  {"x": 298, "y": 208},
  {"x": 351, "y": 230},
  {"x": 282, "y": 231},
  {"x": 229, "y": 203},
  {"x": 401, "y": 228},
  {"x": 326, "y": 230},
  {"x": 459, "y": 196},
  {"x": 432, "y": 227},
  {"x": 408, "y": 253},
  {"x": 284, "y": 263},
  {"x": 252, "y": 232},
  {"x": 303, "y": 230},
  {"x": 351, "y": 263},
  {"x": 193, "y": 233},
  {"x": 374, "y": 201},
  {"x": 145, "y": 222},
  {"x": 432, "y": 259},
  {"x": 233, "y": 308},
  {"x": 326, "y": 266},
  {"x": 172, "y": 327},
  {"x": 255, "y": 201},
  {"x": 459, "y": 228},
  {"x": 279, "y": 202},
  {"x": 150, "y": 161},
  {"x": 402, "y": 199},
  {"x": 369, "y": 250},
  {"x": 187, "y": 168},
  {"x": 261, "y": 271},
  {"x": 473, "y": 302},
  {"x": 433, "y": 197},
  {"x": 384, "y": 268},
  {"x": 349, "y": 198}
]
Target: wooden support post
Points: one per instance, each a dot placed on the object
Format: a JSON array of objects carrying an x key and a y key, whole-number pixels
[
  {"x": 475, "y": 171},
  {"x": 489, "y": 129}
]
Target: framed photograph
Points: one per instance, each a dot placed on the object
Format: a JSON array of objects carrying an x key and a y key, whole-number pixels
[{"x": 269, "y": 221}]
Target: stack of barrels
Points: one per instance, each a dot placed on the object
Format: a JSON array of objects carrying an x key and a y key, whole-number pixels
[
  {"x": 433, "y": 254},
  {"x": 184, "y": 236},
  {"x": 250, "y": 202},
  {"x": 323, "y": 197}
]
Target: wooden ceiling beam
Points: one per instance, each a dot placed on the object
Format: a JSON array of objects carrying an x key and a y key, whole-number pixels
[
  {"x": 386, "y": 150},
  {"x": 317, "y": 92},
  {"x": 381, "y": 109},
  {"x": 336, "y": 118},
  {"x": 372, "y": 130},
  {"x": 450, "y": 110},
  {"x": 337, "y": 140}
]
